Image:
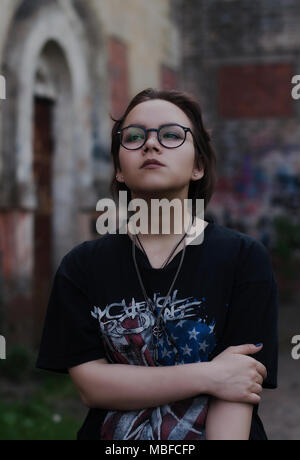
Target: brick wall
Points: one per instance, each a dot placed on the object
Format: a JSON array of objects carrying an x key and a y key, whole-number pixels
[
  {"x": 255, "y": 91},
  {"x": 238, "y": 60},
  {"x": 118, "y": 73},
  {"x": 168, "y": 78}
]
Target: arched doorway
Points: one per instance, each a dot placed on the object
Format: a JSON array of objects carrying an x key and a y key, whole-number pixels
[
  {"x": 46, "y": 153},
  {"x": 52, "y": 167},
  {"x": 42, "y": 223}
]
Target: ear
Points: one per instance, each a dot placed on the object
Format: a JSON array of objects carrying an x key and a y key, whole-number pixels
[
  {"x": 198, "y": 169},
  {"x": 197, "y": 174},
  {"x": 119, "y": 176}
]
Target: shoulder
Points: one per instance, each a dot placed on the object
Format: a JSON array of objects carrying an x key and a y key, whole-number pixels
[
  {"x": 248, "y": 253},
  {"x": 85, "y": 254},
  {"x": 235, "y": 239}
]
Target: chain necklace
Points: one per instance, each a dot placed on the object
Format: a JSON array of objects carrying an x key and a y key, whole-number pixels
[
  {"x": 159, "y": 325},
  {"x": 169, "y": 257}
]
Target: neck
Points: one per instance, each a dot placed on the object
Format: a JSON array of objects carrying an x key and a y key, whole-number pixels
[{"x": 161, "y": 221}]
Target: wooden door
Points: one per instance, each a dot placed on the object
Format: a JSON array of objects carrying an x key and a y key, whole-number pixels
[{"x": 43, "y": 155}]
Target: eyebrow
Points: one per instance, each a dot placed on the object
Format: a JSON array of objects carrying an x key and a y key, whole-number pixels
[{"x": 143, "y": 126}]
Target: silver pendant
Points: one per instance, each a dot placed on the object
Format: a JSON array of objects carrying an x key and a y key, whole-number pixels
[{"x": 157, "y": 331}]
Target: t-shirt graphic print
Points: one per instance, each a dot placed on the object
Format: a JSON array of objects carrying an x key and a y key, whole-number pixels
[{"x": 127, "y": 336}]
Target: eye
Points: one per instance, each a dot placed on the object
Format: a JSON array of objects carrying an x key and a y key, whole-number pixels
[
  {"x": 172, "y": 133},
  {"x": 132, "y": 134},
  {"x": 133, "y": 137}
]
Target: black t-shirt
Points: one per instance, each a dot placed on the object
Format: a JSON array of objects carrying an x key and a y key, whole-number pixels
[{"x": 225, "y": 295}]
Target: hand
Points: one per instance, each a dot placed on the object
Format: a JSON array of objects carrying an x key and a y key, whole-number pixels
[{"x": 237, "y": 377}]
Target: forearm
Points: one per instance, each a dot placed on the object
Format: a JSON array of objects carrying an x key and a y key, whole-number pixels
[
  {"x": 130, "y": 387},
  {"x": 228, "y": 421}
]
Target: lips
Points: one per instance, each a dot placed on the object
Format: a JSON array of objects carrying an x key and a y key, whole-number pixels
[{"x": 152, "y": 162}]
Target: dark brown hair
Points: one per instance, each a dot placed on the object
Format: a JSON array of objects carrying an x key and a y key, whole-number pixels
[{"x": 206, "y": 157}]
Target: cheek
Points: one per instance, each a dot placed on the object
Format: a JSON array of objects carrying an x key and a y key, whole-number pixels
[
  {"x": 126, "y": 159},
  {"x": 184, "y": 160}
]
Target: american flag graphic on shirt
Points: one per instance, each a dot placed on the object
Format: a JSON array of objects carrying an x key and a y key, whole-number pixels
[{"x": 127, "y": 335}]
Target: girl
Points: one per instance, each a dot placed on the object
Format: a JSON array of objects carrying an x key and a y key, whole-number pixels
[{"x": 155, "y": 329}]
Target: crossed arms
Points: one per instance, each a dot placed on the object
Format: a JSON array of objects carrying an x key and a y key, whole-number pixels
[{"x": 232, "y": 379}]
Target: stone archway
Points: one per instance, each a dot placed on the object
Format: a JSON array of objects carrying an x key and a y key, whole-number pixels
[
  {"x": 49, "y": 25},
  {"x": 46, "y": 58}
]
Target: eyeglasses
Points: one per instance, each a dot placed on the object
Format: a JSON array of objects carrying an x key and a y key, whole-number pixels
[{"x": 170, "y": 136}]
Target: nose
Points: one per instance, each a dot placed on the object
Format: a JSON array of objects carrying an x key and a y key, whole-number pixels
[{"x": 152, "y": 141}]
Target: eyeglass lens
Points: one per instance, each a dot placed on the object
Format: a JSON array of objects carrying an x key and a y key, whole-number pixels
[{"x": 172, "y": 136}]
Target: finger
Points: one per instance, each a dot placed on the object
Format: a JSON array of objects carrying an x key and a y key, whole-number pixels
[
  {"x": 255, "y": 349},
  {"x": 259, "y": 379},
  {"x": 261, "y": 369},
  {"x": 247, "y": 349},
  {"x": 257, "y": 389},
  {"x": 253, "y": 398}
]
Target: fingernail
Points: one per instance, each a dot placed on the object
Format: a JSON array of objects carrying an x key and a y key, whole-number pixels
[{"x": 258, "y": 345}]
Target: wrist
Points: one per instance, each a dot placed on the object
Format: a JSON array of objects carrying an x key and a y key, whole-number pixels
[
  {"x": 202, "y": 374},
  {"x": 211, "y": 378}
]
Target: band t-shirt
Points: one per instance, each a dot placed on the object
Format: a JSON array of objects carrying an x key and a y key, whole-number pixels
[{"x": 225, "y": 295}]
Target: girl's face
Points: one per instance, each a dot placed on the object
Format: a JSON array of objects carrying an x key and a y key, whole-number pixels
[{"x": 179, "y": 163}]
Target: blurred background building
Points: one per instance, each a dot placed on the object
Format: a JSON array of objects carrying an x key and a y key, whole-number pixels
[
  {"x": 70, "y": 64},
  {"x": 239, "y": 58}
]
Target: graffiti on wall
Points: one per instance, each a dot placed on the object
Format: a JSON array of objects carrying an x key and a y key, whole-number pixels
[{"x": 262, "y": 188}]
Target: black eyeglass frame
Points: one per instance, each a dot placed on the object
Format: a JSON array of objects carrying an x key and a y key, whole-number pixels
[{"x": 146, "y": 131}]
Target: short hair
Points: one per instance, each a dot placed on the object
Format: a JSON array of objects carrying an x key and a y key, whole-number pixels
[{"x": 206, "y": 157}]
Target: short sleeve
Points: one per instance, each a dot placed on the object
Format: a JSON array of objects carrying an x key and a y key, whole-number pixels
[
  {"x": 70, "y": 335},
  {"x": 253, "y": 309}
]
